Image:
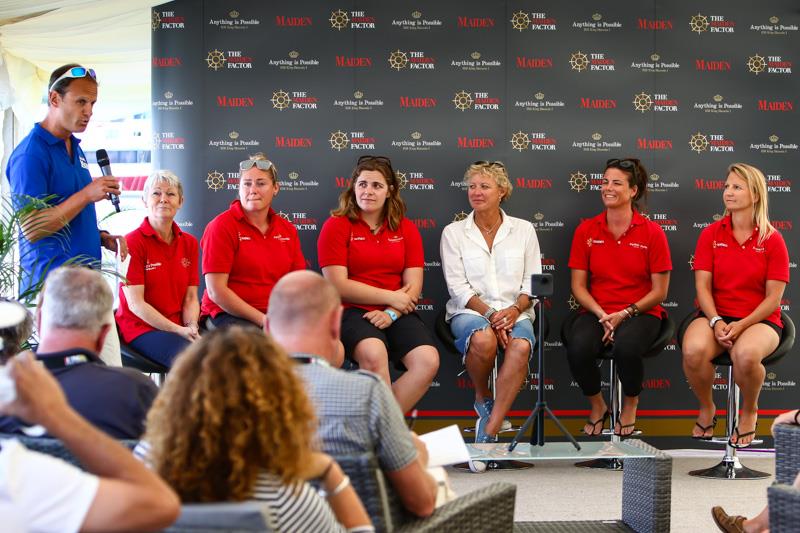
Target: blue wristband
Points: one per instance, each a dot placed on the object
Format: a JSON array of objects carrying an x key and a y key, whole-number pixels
[{"x": 391, "y": 314}]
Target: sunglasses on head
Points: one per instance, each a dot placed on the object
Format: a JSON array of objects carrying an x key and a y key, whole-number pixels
[
  {"x": 489, "y": 164},
  {"x": 379, "y": 158},
  {"x": 74, "y": 72},
  {"x": 261, "y": 164},
  {"x": 625, "y": 164}
]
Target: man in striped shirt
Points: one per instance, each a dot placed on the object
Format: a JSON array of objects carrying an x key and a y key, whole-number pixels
[{"x": 357, "y": 412}]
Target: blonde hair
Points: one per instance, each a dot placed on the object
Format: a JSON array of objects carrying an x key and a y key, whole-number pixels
[
  {"x": 261, "y": 156},
  {"x": 233, "y": 407},
  {"x": 757, "y": 184},
  {"x": 495, "y": 170},
  {"x": 162, "y": 176}
]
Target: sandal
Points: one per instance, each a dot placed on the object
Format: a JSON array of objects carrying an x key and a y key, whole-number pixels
[
  {"x": 593, "y": 423},
  {"x": 625, "y": 435},
  {"x": 711, "y": 426},
  {"x": 740, "y": 436}
]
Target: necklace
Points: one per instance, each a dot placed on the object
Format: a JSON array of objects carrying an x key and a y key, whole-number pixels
[{"x": 487, "y": 231}]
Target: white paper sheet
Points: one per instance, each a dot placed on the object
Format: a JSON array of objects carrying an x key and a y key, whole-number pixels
[{"x": 445, "y": 446}]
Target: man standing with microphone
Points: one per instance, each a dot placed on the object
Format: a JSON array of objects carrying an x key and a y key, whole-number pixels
[{"x": 49, "y": 162}]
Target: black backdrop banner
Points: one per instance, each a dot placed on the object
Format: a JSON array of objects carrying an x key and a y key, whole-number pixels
[{"x": 552, "y": 89}]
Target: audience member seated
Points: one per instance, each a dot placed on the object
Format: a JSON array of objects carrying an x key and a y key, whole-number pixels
[
  {"x": 357, "y": 412},
  {"x": 760, "y": 522},
  {"x": 488, "y": 260},
  {"x": 73, "y": 319},
  {"x": 42, "y": 493},
  {"x": 247, "y": 249},
  {"x": 373, "y": 256},
  {"x": 741, "y": 268},
  {"x": 233, "y": 423},
  {"x": 13, "y": 338},
  {"x": 158, "y": 305},
  {"x": 620, "y": 265}
]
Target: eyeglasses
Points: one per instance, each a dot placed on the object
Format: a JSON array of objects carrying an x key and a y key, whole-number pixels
[
  {"x": 626, "y": 164},
  {"x": 75, "y": 72},
  {"x": 489, "y": 164},
  {"x": 261, "y": 164}
]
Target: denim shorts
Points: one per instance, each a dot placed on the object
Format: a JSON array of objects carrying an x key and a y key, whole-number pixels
[{"x": 465, "y": 324}]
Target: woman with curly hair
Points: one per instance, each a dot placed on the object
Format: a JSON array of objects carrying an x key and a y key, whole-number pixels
[{"x": 233, "y": 423}]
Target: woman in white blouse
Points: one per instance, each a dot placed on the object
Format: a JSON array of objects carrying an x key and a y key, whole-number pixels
[{"x": 488, "y": 259}]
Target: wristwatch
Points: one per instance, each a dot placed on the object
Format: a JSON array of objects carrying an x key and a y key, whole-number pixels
[
  {"x": 489, "y": 312},
  {"x": 391, "y": 314},
  {"x": 714, "y": 320}
]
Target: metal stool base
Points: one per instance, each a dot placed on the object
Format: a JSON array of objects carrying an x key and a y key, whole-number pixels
[
  {"x": 603, "y": 464},
  {"x": 493, "y": 466},
  {"x": 729, "y": 468}
]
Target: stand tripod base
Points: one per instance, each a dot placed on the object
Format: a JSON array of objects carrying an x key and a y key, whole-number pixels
[
  {"x": 493, "y": 466},
  {"x": 729, "y": 468},
  {"x": 605, "y": 464}
]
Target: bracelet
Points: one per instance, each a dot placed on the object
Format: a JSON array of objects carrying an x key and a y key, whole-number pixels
[
  {"x": 634, "y": 310},
  {"x": 489, "y": 312},
  {"x": 391, "y": 314},
  {"x": 627, "y": 312},
  {"x": 340, "y": 487},
  {"x": 515, "y": 306},
  {"x": 796, "y": 421}
]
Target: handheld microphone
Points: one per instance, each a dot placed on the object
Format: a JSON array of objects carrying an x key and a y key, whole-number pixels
[{"x": 105, "y": 168}]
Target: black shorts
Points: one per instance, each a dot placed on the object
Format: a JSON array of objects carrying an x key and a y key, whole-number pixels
[
  {"x": 729, "y": 319},
  {"x": 405, "y": 334}
]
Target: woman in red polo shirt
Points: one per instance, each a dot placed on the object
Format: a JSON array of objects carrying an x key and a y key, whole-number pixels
[
  {"x": 741, "y": 270},
  {"x": 620, "y": 265},
  {"x": 374, "y": 257},
  {"x": 158, "y": 305},
  {"x": 247, "y": 249}
]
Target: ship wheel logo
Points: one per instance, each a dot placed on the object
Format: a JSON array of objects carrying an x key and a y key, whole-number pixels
[
  {"x": 461, "y": 215},
  {"x": 462, "y": 100},
  {"x": 578, "y": 61},
  {"x": 756, "y": 64},
  {"x": 699, "y": 23},
  {"x": 215, "y": 59},
  {"x": 284, "y": 216},
  {"x": 573, "y": 303},
  {"x": 642, "y": 102},
  {"x": 398, "y": 60},
  {"x": 280, "y": 100},
  {"x": 691, "y": 262},
  {"x": 402, "y": 181},
  {"x": 520, "y": 141},
  {"x": 215, "y": 180},
  {"x": 698, "y": 142},
  {"x": 339, "y": 20},
  {"x": 578, "y": 181},
  {"x": 520, "y": 21},
  {"x": 339, "y": 140},
  {"x": 156, "y": 20}
]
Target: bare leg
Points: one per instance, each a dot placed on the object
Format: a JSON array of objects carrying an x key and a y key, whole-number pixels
[
  {"x": 370, "y": 354},
  {"x": 480, "y": 361},
  {"x": 422, "y": 363},
  {"x": 627, "y": 417},
  {"x": 699, "y": 348},
  {"x": 509, "y": 380},
  {"x": 752, "y": 346},
  {"x": 598, "y": 411}
]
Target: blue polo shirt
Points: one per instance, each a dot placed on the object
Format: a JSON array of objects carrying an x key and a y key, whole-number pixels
[{"x": 39, "y": 167}]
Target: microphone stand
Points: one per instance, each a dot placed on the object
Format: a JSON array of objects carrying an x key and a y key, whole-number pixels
[{"x": 541, "y": 408}]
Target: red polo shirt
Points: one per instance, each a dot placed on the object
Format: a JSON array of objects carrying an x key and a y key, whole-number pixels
[
  {"x": 740, "y": 271},
  {"x": 377, "y": 260},
  {"x": 254, "y": 261},
  {"x": 165, "y": 270},
  {"x": 619, "y": 269}
]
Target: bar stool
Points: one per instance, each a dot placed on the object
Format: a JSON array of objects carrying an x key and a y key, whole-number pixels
[
  {"x": 730, "y": 467},
  {"x": 132, "y": 358},
  {"x": 665, "y": 334},
  {"x": 445, "y": 335}
]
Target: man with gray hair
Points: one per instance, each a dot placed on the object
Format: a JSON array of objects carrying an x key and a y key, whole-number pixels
[
  {"x": 357, "y": 412},
  {"x": 73, "y": 321}
]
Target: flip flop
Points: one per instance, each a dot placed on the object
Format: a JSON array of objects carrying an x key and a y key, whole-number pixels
[
  {"x": 622, "y": 435},
  {"x": 711, "y": 426},
  {"x": 593, "y": 423},
  {"x": 740, "y": 436}
]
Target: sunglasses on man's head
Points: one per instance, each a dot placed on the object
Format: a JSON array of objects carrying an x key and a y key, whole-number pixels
[
  {"x": 74, "y": 72},
  {"x": 261, "y": 164}
]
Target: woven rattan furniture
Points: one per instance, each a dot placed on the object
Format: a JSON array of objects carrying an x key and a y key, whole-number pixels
[
  {"x": 218, "y": 517},
  {"x": 487, "y": 509},
  {"x": 784, "y": 499},
  {"x": 665, "y": 334},
  {"x": 787, "y": 453},
  {"x": 784, "y": 509},
  {"x": 55, "y": 447},
  {"x": 730, "y": 467}
]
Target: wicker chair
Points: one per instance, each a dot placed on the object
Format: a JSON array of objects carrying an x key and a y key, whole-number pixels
[
  {"x": 218, "y": 517},
  {"x": 487, "y": 509},
  {"x": 784, "y": 499},
  {"x": 55, "y": 447}
]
